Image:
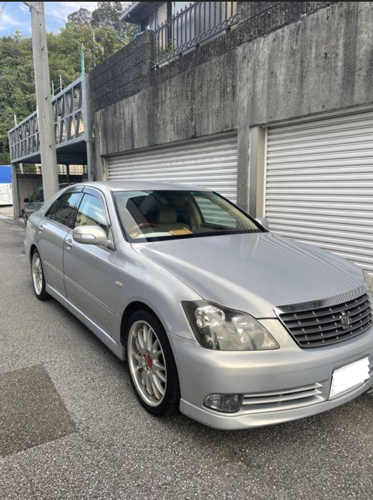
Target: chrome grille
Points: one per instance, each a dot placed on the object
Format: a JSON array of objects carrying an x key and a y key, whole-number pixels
[
  {"x": 325, "y": 325},
  {"x": 283, "y": 400}
]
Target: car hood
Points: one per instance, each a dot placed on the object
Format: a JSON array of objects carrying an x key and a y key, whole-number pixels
[{"x": 254, "y": 272}]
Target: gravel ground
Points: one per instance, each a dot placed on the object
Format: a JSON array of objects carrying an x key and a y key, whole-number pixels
[{"x": 112, "y": 449}]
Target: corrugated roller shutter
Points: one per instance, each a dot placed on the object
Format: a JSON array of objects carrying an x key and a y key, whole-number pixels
[
  {"x": 210, "y": 163},
  {"x": 319, "y": 184}
]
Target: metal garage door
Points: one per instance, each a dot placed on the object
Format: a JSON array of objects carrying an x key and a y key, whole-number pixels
[
  {"x": 209, "y": 163},
  {"x": 319, "y": 184}
]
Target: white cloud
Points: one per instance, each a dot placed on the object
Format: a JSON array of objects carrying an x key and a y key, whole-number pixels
[
  {"x": 9, "y": 22},
  {"x": 56, "y": 14},
  {"x": 60, "y": 10},
  {"x": 23, "y": 7}
]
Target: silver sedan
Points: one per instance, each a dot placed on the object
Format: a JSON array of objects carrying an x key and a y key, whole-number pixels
[{"x": 215, "y": 315}]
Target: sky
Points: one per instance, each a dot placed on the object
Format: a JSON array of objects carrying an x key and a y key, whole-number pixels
[{"x": 16, "y": 16}]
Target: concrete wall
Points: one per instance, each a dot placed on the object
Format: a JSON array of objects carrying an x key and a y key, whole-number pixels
[
  {"x": 285, "y": 60},
  {"x": 322, "y": 63},
  {"x": 26, "y": 185},
  {"x": 124, "y": 73}
]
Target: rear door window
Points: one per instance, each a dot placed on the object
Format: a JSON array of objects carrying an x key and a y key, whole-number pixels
[{"x": 63, "y": 210}]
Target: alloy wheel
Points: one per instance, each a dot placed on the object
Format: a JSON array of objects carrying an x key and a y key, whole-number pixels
[
  {"x": 147, "y": 363},
  {"x": 37, "y": 273}
]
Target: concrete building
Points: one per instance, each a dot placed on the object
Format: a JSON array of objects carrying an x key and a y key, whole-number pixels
[
  {"x": 268, "y": 103},
  {"x": 275, "y": 113}
]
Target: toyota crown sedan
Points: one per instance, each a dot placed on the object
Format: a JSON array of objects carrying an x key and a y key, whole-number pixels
[{"x": 217, "y": 317}]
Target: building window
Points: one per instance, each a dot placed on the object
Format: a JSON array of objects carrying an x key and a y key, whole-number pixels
[
  {"x": 177, "y": 6},
  {"x": 150, "y": 22}
]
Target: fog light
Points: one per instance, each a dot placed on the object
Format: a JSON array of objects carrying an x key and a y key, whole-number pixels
[{"x": 227, "y": 403}]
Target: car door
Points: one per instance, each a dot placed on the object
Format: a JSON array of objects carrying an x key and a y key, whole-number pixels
[
  {"x": 51, "y": 233},
  {"x": 87, "y": 267}
]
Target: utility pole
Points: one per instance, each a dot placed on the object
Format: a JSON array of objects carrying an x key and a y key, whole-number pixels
[{"x": 43, "y": 99}]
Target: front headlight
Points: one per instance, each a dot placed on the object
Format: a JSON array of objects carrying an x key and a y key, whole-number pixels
[
  {"x": 369, "y": 281},
  {"x": 223, "y": 329}
]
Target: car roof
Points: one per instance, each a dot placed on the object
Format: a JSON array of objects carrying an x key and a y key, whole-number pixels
[{"x": 144, "y": 186}]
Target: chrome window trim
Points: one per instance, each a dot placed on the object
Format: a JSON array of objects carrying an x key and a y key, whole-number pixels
[{"x": 64, "y": 226}]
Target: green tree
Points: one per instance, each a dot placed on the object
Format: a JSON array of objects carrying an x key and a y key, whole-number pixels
[
  {"x": 107, "y": 15},
  {"x": 17, "y": 94},
  {"x": 81, "y": 16}
]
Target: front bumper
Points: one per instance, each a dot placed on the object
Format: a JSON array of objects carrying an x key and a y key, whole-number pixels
[{"x": 203, "y": 372}]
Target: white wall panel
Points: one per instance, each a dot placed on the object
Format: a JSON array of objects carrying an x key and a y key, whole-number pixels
[
  {"x": 209, "y": 163},
  {"x": 319, "y": 184}
]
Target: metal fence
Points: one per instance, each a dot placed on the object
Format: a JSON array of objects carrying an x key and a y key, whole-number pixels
[
  {"x": 68, "y": 115},
  {"x": 63, "y": 169},
  {"x": 191, "y": 27}
]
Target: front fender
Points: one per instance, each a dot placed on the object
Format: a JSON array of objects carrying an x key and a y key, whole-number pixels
[{"x": 134, "y": 278}]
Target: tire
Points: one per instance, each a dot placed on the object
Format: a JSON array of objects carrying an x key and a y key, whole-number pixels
[
  {"x": 145, "y": 372},
  {"x": 37, "y": 277},
  {"x": 24, "y": 216}
]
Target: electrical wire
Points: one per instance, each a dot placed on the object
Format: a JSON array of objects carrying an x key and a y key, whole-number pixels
[{"x": 2, "y": 8}]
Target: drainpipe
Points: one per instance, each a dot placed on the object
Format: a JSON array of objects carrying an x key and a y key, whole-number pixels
[
  {"x": 16, "y": 212},
  {"x": 88, "y": 126}
]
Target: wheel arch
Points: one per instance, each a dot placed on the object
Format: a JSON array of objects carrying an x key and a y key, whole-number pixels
[
  {"x": 32, "y": 250},
  {"x": 131, "y": 309}
]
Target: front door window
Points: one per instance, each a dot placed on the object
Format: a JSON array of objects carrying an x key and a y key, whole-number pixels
[{"x": 91, "y": 212}]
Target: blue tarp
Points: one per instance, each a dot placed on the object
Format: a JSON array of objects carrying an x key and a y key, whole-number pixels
[{"x": 5, "y": 174}]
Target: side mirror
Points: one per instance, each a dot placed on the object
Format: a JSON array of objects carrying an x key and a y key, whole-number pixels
[
  {"x": 27, "y": 200},
  {"x": 90, "y": 235},
  {"x": 263, "y": 221}
]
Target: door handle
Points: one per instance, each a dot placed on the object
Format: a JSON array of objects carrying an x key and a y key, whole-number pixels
[
  {"x": 68, "y": 244},
  {"x": 40, "y": 227}
]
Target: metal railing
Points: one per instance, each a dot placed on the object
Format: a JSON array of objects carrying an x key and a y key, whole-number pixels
[
  {"x": 191, "y": 27},
  {"x": 69, "y": 126},
  {"x": 63, "y": 169}
]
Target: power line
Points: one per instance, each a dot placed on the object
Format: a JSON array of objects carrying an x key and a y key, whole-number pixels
[{"x": 2, "y": 8}]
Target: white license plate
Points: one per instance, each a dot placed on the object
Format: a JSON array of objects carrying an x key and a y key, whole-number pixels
[{"x": 349, "y": 376}]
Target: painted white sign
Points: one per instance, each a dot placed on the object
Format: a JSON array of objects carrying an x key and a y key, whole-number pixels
[{"x": 6, "y": 195}]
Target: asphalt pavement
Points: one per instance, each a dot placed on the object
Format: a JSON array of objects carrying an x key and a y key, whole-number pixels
[{"x": 70, "y": 427}]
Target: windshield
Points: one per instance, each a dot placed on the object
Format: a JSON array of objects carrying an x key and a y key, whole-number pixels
[{"x": 159, "y": 215}]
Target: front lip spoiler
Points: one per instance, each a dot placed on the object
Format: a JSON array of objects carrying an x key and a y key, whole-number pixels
[{"x": 242, "y": 420}]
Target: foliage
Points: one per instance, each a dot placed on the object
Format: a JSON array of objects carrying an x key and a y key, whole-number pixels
[
  {"x": 17, "y": 93},
  {"x": 81, "y": 16},
  {"x": 65, "y": 50},
  {"x": 107, "y": 16},
  {"x": 4, "y": 159},
  {"x": 97, "y": 34}
]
